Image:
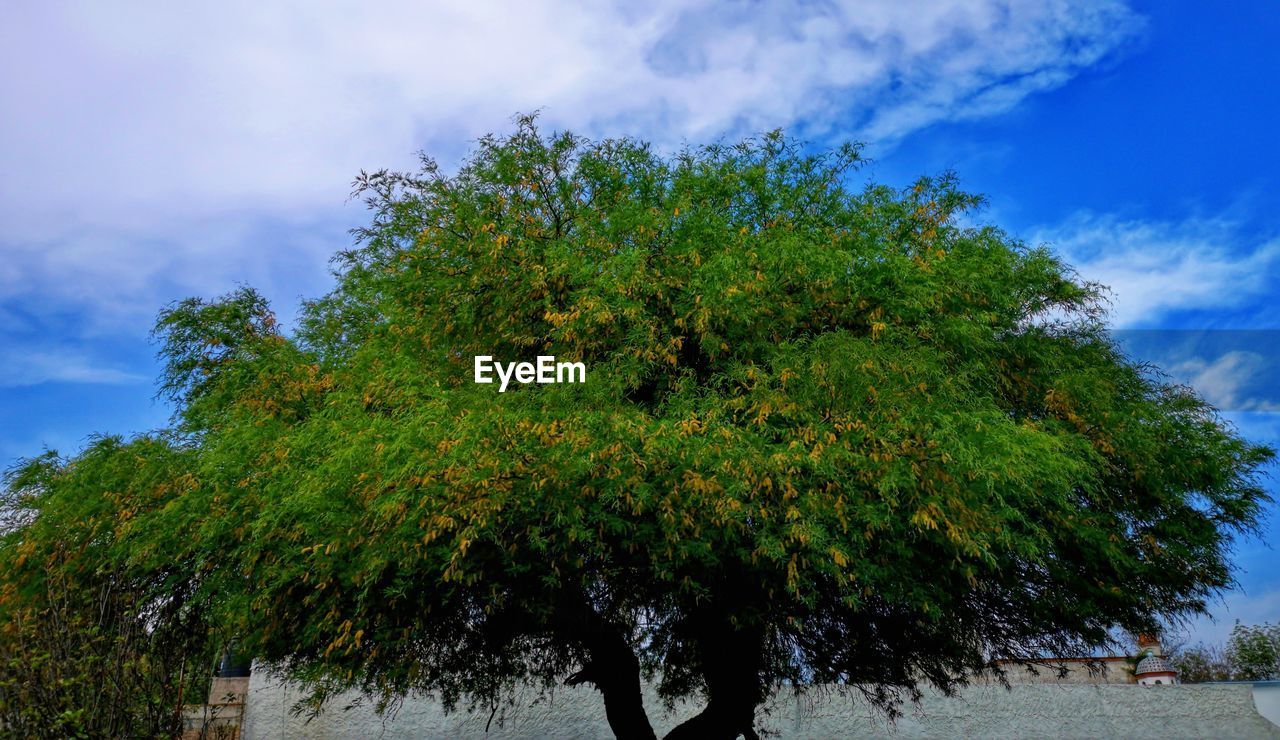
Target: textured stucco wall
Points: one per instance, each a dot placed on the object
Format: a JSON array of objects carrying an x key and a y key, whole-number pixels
[{"x": 986, "y": 711}]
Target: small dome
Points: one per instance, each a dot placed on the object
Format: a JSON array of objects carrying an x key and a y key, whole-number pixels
[{"x": 1153, "y": 664}]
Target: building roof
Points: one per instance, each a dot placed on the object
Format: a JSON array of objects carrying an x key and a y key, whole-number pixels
[{"x": 1153, "y": 664}]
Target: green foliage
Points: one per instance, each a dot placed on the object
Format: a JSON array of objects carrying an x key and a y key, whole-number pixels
[
  {"x": 828, "y": 434},
  {"x": 205, "y": 345},
  {"x": 1201, "y": 663},
  {"x": 1254, "y": 652},
  {"x": 102, "y": 636}
]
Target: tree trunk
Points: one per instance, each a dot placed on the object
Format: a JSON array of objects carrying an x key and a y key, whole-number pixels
[
  {"x": 614, "y": 670},
  {"x": 731, "y": 660}
]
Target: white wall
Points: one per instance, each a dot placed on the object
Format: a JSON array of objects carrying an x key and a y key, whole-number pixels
[
  {"x": 1266, "y": 697},
  {"x": 1202, "y": 710}
]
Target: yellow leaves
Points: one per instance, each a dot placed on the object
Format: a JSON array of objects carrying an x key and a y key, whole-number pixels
[
  {"x": 694, "y": 482},
  {"x": 839, "y": 558},
  {"x": 855, "y": 425},
  {"x": 927, "y": 517},
  {"x": 724, "y": 508},
  {"x": 344, "y": 633},
  {"x": 689, "y": 427},
  {"x": 560, "y": 318}
]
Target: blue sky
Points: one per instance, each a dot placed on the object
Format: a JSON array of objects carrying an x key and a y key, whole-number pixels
[{"x": 151, "y": 153}]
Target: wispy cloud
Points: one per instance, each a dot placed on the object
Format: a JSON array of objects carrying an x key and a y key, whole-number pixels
[
  {"x": 25, "y": 368},
  {"x": 1235, "y": 370},
  {"x": 164, "y": 149},
  {"x": 239, "y": 101},
  {"x": 116, "y": 278},
  {"x": 1225, "y": 381},
  {"x": 1155, "y": 268}
]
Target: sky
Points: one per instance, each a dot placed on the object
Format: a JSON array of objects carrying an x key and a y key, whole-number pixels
[{"x": 154, "y": 151}]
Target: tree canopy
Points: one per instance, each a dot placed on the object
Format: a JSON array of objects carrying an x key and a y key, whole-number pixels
[
  {"x": 1252, "y": 654},
  {"x": 830, "y": 433},
  {"x": 102, "y": 632}
]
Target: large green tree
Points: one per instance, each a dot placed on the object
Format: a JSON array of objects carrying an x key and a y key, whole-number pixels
[{"x": 829, "y": 434}]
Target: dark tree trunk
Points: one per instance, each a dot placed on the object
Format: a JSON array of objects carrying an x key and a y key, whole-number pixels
[
  {"x": 731, "y": 661},
  {"x": 615, "y": 671},
  {"x": 612, "y": 667}
]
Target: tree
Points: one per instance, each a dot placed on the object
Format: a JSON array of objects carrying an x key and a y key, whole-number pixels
[
  {"x": 100, "y": 637},
  {"x": 1201, "y": 663},
  {"x": 828, "y": 435},
  {"x": 1254, "y": 652}
]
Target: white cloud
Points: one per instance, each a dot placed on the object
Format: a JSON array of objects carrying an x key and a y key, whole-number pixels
[
  {"x": 1225, "y": 382},
  {"x": 113, "y": 278},
  {"x": 134, "y": 140},
  {"x": 1155, "y": 268},
  {"x": 226, "y": 104},
  {"x": 24, "y": 368}
]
